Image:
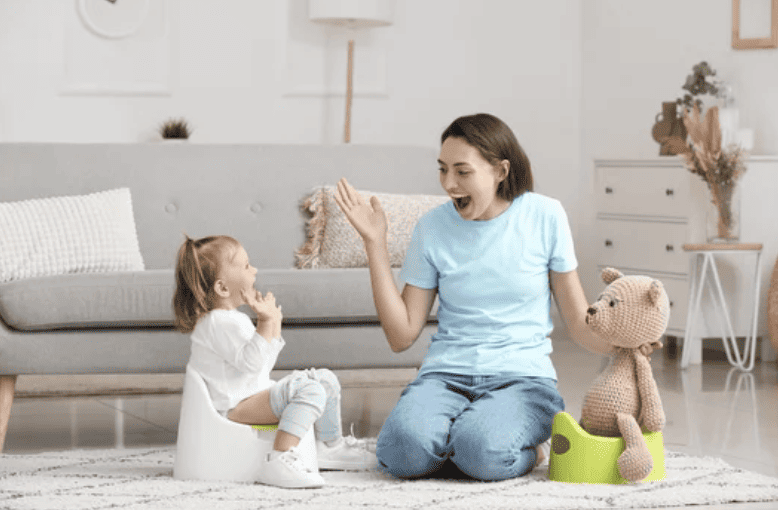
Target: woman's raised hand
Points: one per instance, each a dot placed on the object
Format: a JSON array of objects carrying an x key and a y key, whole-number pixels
[{"x": 368, "y": 218}]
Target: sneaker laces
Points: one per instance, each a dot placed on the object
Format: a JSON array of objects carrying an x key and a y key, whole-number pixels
[
  {"x": 292, "y": 458},
  {"x": 352, "y": 441}
]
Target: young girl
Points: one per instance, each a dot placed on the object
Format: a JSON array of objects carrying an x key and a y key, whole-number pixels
[{"x": 213, "y": 278}]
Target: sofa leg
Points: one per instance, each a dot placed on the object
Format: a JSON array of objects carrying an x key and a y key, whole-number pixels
[{"x": 7, "y": 387}]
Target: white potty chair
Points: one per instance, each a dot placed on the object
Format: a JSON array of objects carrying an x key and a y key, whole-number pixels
[{"x": 211, "y": 447}]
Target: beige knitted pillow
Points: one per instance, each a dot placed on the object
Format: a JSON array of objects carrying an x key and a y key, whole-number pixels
[{"x": 333, "y": 243}]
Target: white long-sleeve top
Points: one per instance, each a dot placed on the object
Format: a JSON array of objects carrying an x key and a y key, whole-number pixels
[{"x": 233, "y": 359}]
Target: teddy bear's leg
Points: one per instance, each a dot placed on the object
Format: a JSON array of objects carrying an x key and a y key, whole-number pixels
[{"x": 635, "y": 463}]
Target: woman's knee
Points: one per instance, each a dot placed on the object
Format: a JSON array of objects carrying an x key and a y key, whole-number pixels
[
  {"x": 406, "y": 450},
  {"x": 484, "y": 457}
]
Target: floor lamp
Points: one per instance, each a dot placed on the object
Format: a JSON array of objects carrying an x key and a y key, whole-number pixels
[{"x": 351, "y": 14}]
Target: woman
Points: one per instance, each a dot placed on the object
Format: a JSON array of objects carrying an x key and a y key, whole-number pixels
[{"x": 486, "y": 393}]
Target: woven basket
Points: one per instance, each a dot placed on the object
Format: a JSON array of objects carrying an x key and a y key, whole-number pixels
[{"x": 772, "y": 307}]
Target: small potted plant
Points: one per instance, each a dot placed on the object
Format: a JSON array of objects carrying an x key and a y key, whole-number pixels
[{"x": 175, "y": 129}]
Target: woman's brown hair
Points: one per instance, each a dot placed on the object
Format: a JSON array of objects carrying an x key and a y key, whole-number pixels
[
  {"x": 496, "y": 142},
  {"x": 196, "y": 271}
]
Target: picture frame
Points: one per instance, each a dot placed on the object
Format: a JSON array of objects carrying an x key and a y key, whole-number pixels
[{"x": 745, "y": 10}]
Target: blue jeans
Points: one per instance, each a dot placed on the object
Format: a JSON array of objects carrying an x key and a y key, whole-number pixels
[{"x": 488, "y": 426}]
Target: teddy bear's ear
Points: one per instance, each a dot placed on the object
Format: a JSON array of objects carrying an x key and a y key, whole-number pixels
[
  {"x": 609, "y": 275},
  {"x": 655, "y": 292}
]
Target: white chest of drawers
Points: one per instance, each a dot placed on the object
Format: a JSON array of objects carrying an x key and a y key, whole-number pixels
[{"x": 646, "y": 211}]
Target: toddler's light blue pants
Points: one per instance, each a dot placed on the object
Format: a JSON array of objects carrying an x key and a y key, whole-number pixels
[{"x": 307, "y": 398}]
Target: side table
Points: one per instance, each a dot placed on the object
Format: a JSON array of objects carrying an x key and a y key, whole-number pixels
[{"x": 704, "y": 271}]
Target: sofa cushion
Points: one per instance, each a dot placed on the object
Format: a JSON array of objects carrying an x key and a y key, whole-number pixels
[
  {"x": 68, "y": 234},
  {"x": 144, "y": 299},
  {"x": 72, "y": 301},
  {"x": 331, "y": 241}
]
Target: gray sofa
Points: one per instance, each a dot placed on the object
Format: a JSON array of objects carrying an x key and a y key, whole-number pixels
[{"x": 122, "y": 322}]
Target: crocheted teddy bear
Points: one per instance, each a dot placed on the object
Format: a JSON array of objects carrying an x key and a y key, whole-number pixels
[{"x": 632, "y": 315}]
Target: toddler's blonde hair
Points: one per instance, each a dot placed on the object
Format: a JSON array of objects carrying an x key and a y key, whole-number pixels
[{"x": 197, "y": 269}]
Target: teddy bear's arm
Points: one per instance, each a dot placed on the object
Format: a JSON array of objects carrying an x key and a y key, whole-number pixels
[{"x": 651, "y": 413}]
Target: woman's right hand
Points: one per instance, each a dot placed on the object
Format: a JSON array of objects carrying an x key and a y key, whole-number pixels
[{"x": 368, "y": 218}]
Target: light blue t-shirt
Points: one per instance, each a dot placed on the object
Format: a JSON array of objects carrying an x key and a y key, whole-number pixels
[{"x": 494, "y": 313}]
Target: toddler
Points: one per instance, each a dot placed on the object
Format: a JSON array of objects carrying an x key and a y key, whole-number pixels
[{"x": 213, "y": 278}]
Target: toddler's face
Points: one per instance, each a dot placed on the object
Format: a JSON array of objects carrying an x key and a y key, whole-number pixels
[{"x": 238, "y": 275}]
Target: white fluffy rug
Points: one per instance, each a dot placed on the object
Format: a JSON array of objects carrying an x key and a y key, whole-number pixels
[{"x": 142, "y": 479}]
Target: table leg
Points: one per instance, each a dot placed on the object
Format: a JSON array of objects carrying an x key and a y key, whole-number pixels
[
  {"x": 692, "y": 347},
  {"x": 728, "y": 335}
]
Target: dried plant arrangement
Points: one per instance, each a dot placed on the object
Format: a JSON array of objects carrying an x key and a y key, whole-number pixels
[
  {"x": 720, "y": 167},
  {"x": 697, "y": 84},
  {"x": 175, "y": 128}
]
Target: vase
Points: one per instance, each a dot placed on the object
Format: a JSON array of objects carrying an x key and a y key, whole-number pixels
[
  {"x": 723, "y": 214},
  {"x": 669, "y": 130}
]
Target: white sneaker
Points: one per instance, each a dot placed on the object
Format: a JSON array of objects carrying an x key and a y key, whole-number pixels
[
  {"x": 544, "y": 453},
  {"x": 348, "y": 454},
  {"x": 287, "y": 469}
]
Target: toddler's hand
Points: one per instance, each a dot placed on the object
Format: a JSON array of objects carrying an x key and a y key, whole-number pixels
[{"x": 265, "y": 307}]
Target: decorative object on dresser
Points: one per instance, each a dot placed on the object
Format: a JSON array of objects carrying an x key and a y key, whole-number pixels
[
  {"x": 175, "y": 129},
  {"x": 696, "y": 85},
  {"x": 720, "y": 167},
  {"x": 669, "y": 131}
]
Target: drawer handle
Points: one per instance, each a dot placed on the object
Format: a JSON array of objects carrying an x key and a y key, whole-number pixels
[
  {"x": 608, "y": 190},
  {"x": 669, "y": 192},
  {"x": 608, "y": 243},
  {"x": 669, "y": 247}
]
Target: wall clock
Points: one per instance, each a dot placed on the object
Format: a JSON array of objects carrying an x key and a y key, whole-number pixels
[{"x": 113, "y": 19}]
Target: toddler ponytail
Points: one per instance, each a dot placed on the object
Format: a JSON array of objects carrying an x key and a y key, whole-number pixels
[{"x": 196, "y": 271}]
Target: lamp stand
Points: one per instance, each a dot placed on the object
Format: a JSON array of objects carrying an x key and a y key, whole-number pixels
[{"x": 349, "y": 91}]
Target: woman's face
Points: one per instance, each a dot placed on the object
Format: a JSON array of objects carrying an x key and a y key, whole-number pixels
[{"x": 471, "y": 181}]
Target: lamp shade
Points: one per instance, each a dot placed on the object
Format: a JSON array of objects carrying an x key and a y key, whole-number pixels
[{"x": 351, "y": 13}]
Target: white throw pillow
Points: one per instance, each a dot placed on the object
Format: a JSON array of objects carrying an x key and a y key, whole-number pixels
[{"x": 70, "y": 234}]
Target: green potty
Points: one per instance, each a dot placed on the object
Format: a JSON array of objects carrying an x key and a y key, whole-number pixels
[{"x": 580, "y": 457}]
